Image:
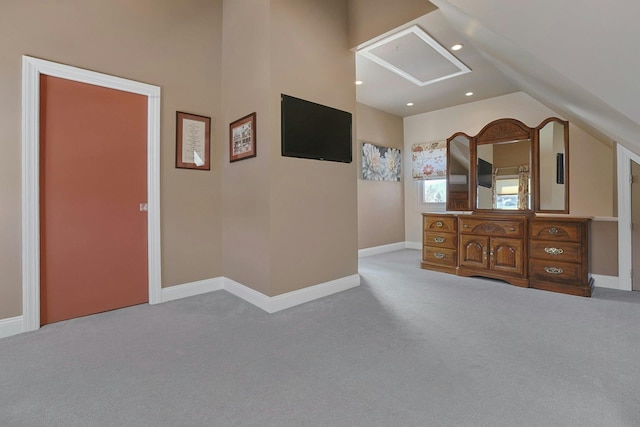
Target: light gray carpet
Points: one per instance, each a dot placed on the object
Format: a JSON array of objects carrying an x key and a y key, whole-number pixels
[{"x": 407, "y": 348}]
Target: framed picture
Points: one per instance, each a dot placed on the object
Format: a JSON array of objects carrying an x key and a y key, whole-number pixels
[
  {"x": 242, "y": 138},
  {"x": 193, "y": 141}
]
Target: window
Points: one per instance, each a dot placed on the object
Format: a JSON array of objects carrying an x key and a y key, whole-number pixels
[{"x": 434, "y": 191}]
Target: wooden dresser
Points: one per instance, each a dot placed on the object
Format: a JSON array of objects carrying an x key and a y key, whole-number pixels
[{"x": 550, "y": 253}]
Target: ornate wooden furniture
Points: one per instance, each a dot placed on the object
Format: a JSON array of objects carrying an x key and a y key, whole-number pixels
[{"x": 499, "y": 235}]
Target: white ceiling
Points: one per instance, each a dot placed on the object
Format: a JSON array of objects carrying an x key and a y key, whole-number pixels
[{"x": 404, "y": 69}]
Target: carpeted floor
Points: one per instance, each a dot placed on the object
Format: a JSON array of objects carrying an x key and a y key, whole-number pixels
[{"x": 408, "y": 347}]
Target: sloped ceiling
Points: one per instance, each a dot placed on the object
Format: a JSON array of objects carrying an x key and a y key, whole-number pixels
[{"x": 577, "y": 57}]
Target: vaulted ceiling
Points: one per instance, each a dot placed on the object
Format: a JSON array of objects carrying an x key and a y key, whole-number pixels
[{"x": 578, "y": 57}]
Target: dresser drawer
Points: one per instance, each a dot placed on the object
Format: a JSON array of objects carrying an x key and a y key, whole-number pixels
[
  {"x": 442, "y": 256},
  {"x": 492, "y": 227},
  {"x": 556, "y": 251},
  {"x": 440, "y": 223},
  {"x": 440, "y": 239},
  {"x": 550, "y": 230},
  {"x": 555, "y": 271}
]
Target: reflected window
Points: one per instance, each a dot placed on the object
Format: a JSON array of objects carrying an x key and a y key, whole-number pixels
[{"x": 507, "y": 193}]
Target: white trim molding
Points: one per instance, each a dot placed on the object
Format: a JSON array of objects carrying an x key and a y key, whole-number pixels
[
  {"x": 413, "y": 245},
  {"x": 625, "y": 262},
  {"x": 32, "y": 68},
  {"x": 260, "y": 300},
  {"x": 186, "y": 290},
  {"x": 376, "y": 250},
  {"x": 603, "y": 281},
  {"x": 11, "y": 326}
]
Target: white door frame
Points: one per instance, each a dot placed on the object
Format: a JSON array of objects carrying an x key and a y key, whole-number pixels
[
  {"x": 32, "y": 68},
  {"x": 625, "y": 262}
]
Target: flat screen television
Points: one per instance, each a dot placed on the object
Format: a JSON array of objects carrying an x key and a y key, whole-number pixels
[
  {"x": 485, "y": 170},
  {"x": 314, "y": 131}
]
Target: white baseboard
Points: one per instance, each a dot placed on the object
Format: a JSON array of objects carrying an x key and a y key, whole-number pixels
[
  {"x": 375, "y": 250},
  {"x": 191, "y": 289},
  {"x": 11, "y": 326},
  {"x": 293, "y": 298},
  {"x": 602, "y": 281},
  {"x": 413, "y": 245},
  {"x": 260, "y": 300}
]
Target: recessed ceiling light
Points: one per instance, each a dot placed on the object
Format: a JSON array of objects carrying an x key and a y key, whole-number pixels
[
  {"x": 456, "y": 47},
  {"x": 359, "y": 82},
  {"x": 409, "y": 104},
  {"x": 468, "y": 94}
]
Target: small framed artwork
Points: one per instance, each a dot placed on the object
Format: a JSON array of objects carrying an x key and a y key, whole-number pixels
[
  {"x": 193, "y": 141},
  {"x": 242, "y": 138}
]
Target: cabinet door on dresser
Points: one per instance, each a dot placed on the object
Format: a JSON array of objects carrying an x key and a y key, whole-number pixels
[
  {"x": 473, "y": 251},
  {"x": 506, "y": 255}
]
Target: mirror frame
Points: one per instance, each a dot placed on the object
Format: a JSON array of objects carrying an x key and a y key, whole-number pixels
[
  {"x": 536, "y": 162},
  {"x": 450, "y": 201},
  {"x": 501, "y": 130}
]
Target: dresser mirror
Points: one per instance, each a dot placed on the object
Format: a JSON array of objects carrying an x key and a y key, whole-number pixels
[
  {"x": 552, "y": 189},
  {"x": 458, "y": 172},
  {"x": 510, "y": 167}
]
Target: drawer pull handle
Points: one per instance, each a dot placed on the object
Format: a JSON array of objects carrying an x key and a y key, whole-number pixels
[
  {"x": 553, "y": 230},
  {"x": 553, "y": 270},
  {"x": 554, "y": 251},
  {"x": 512, "y": 229},
  {"x": 466, "y": 226},
  {"x": 439, "y": 224},
  {"x": 438, "y": 239},
  {"x": 438, "y": 255}
]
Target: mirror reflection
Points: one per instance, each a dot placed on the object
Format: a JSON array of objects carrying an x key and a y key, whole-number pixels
[
  {"x": 458, "y": 170},
  {"x": 504, "y": 175},
  {"x": 552, "y": 164}
]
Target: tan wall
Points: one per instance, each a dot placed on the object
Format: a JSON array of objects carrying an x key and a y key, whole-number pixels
[
  {"x": 380, "y": 203},
  {"x": 175, "y": 45},
  {"x": 288, "y": 223},
  {"x": 246, "y": 183},
  {"x": 371, "y": 18},
  {"x": 313, "y": 205},
  {"x": 604, "y": 248},
  {"x": 591, "y": 160}
]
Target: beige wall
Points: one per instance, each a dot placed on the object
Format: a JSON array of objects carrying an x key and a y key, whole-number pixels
[
  {"x": 371, "y": 18},
  {"x": 175, "y": 45},
  {"x": 289, "y": 223},
  {"x": 604, "y": 248},
  {"x": 590, "y": 191},
  {"x": 380, "y": 203}
]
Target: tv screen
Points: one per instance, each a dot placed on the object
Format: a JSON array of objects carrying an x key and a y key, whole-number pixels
[
  {"x": 315, "y": 131},
  {"x": 485, "y": 170}
]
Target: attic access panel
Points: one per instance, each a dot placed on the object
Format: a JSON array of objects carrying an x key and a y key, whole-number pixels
[{"x": 416, "y": 56}]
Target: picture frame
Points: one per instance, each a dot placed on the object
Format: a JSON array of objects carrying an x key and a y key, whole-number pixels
[
  {"x": 193, "y": 141},
  {"x": 243, "y": 138}
]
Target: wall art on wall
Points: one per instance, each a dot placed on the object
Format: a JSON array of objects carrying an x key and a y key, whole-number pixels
[
  {"x": 429, "y": 160},
  {"x": 193, "y": 141},
  {"x": 380, "y": 163},
  {"x": 242, "y": 138}
]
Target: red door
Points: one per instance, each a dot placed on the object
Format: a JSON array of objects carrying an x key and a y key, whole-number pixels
[{"x": 93, "y": 178}]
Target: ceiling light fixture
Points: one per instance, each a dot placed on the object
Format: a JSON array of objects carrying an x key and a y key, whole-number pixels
[
  {"x": 468, "y": 94},
  {"x": 456, "y": 46},
  {"x": 409, "y": 104},
  {"x": 359, "y": 82}
]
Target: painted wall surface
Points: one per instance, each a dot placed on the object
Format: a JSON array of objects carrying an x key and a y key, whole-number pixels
[
  {"x": 84, "y": 34},
  {"x": 288, "y": 223},
  {"x": 590, "y": 192},
  {"x": 371, "y": 18},
  {"x": 380, "y": 203},
  {"x": 313, "y": 204},
  {"x": 246, "y": 183}
]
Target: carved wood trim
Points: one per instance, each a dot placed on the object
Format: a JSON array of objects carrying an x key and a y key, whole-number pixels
[{"x": 504, "y": 130}]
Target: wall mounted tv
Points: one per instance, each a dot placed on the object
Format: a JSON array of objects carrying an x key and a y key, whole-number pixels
[
  {"x": 485, "y": 171},
  {"x": 314, "y": 131}
]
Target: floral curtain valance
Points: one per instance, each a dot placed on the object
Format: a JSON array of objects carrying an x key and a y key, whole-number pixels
[{"x": 429, "y": 160}]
